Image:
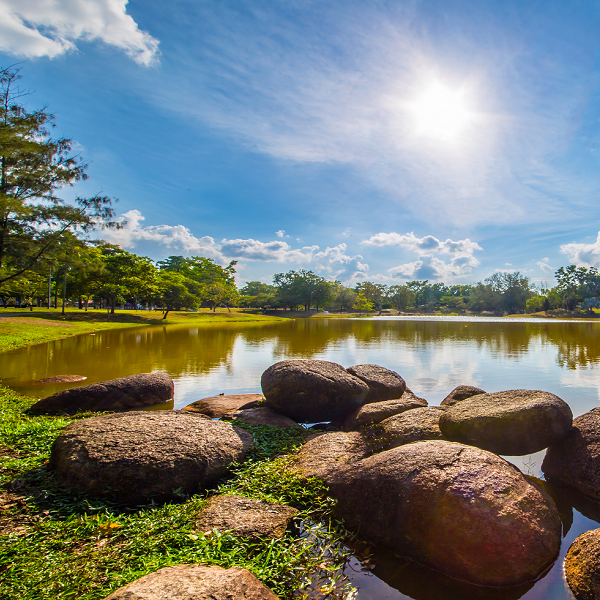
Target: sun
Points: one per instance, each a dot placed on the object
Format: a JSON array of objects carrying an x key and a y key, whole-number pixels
[{"x": 441, "y": 113}]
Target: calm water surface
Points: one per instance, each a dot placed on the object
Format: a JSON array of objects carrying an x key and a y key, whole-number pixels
[{"x": 433, "y": 355}]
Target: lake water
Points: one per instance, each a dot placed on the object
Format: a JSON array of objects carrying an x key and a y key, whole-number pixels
[{"x": 434, "y": 355}]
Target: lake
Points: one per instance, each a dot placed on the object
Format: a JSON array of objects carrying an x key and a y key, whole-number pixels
[{"x": 434, "y": 355}]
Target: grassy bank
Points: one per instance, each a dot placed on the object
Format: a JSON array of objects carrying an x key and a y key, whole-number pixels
[
  {"x": 55, "y": 545},
  {"x": 44, "y": 325}
]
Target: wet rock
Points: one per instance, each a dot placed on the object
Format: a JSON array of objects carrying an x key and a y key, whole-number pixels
[
  {"x": 142, "y": 455},
  {"x": 458, "y": 509},
  {"x": 195, "y": 582},
  {"x": 582, "y": 566},
  {"x": 513, "y": 422},
  {"x": 125, "y": 393},
  {"x": 263, "y": 416},
  {"x": 309, "y": 391},
  {"x": 383, "y": 383},
  {"x": 246, "y": 517},
  {"x": 61, "y": 379},
  {"x": 324, "y": 454},
  {"x": 375, "y": 412},
  {"x": 412, "y": 426},
  {"x": 575, "y": 461},
  {"x": 461, "y": 392},
  {"x": 217, "y": 406}
]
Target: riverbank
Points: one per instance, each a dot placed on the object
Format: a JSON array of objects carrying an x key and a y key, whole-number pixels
[
  {"x": 19, "y": 329},
  {"x": 59, "y": 546}
]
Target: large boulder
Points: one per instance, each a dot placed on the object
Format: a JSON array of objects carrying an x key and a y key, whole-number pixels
[
  {"x": 375, "y": 412},
  {"x": 218, "y": 406},
  {"x": 460, "y": 510},
  {"x": 125, "y": 393},
  {"x": 309, "y": 391},
  {"x": 263, "y": 415},
  {"x": 383, "y": 383},
  {"x": 245, "y": 517},
  {"x": 324, "y": 454},
  {"x": 195, "y": 582},
  {"x": 514, "y": 422},
  {"x": 143, "y": 455},
  {"x": 582, "y": 566},
  {"x": 461, "y": 392},
  {"x": 415, "y": 425},
  {"x": 575, "y": 461}
]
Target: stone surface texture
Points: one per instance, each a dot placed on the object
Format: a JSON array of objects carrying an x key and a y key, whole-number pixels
[
  {"x": 513, "y": 422},
  {"x": 375, "y": 412},
  {"x": 309, "y": 391},
  {"x": 143, "y": 455},
  {"x": 245, "y": 517},
  {"x": 217, "y": 406},
  {"x": 461, "y": 392},
  {"x": 263, "y": 415},
  {"x": 582, "y": 566},
  {"x": 575, "y": 461},
  {"x": 324, "y": 454},
  {"x": 61, "y": 379},
  {"x": 411, "y": 426},
  {"x": 460, "y": 510},
  {"x": 125, "y": 393},
  {"x": 195, "y": 582},
  {"x": 383, "y": 383}
]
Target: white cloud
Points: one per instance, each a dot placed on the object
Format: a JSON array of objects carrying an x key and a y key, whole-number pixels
[
  {"x": 432, "y": 268},
  {"x": 276, "y": 251},
  {"x": 428, "y": 243},
  {"x": 34, "y": 28},
  {"x": 280, "y": 233},
  {"x": 341, "y": 266},
  {"x": 510, "y": 264},
  {"x": 583, "y": 254},
  {"x": 544, "y": 266}
]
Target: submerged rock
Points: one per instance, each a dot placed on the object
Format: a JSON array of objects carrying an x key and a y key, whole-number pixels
[
  {"x": 195, "y": 582},
  {"x": 263, "y": 415},
  {"x": 125, "y": 393},
  {"x": 218, "y": 406},
  {"x": 575, "y": 461},
  {"x": 61, "y": 379},
  {"x": 582, "y": 566},
  {"x": 461, "y": 392},
  {"x": 309, "y": 391},
  {"x": 246, "y": 517},
  {"x": 411, "y": 426},
  {"x": 458, "y": 509},
  {"x": 383, "y": 383},
  {"x": 375, "y": 412},
  {"x": 143, "y": 455},
  {"x": 513, "y": 422}
]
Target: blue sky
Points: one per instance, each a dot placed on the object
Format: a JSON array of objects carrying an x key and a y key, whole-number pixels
[{"x": 377, "y": 140}]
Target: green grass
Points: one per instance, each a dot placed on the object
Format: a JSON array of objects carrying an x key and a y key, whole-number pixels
[
  {"x": 56, "y": 545},
  {"x": 44, "y": 325}
]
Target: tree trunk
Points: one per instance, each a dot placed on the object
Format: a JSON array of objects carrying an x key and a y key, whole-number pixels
[
  {"x": 49, "y": 287},
  {"x": 64, "y": 292},
  {"x": 166, "y": 313}
]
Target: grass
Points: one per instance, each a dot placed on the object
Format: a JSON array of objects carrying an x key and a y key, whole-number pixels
[
  {"x": 56, "y": 545},
  {"x": 46, "y": 325}
]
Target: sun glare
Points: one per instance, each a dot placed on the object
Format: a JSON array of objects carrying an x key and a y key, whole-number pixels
[{"x": 441, "y": 113}]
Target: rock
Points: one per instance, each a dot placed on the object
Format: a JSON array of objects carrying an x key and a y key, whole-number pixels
[
  {"x": 143, "y": 455},
  {"x": 462, "y": 392},
  {"x": 324, "y": 454},
  {"x": 369, "y": 414},
  {"x": 383, "y": 383},
  {"x": 514, "y": 422},
  {"x": 126, "y": 393},
  {"x": 575, "y": 461},
  {"x": 246, "y": 517},
  {"x": 217, "y": 406},
  {"x": 410, "y": 395},
  {"x": 582, "y": 566},
  {"x": 264, "y": 416},
  {"x": 195, "y": 582},
  {"x": 411, "y": 426},
  {"x": 309, "y": 391},
  {"x": 457, "y": 509},
  {"x": 61, "y": 379}
]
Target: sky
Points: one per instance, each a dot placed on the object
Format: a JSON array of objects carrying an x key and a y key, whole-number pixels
[{"x": 364, "y": 140}]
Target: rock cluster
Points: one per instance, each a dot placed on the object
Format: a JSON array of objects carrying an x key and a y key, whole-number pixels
[{"x": 581, "y": 567}]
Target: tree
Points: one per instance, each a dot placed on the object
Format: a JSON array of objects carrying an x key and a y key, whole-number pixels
[
  {"x": 173, "y": 292},
  {"x": 361, "y": 303},
  {"x": 301, "y": 287},
  {"x": 373, "y": 292},
  {"x": 401, "y": 296},
  {"x": 33, "y": 166}
]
